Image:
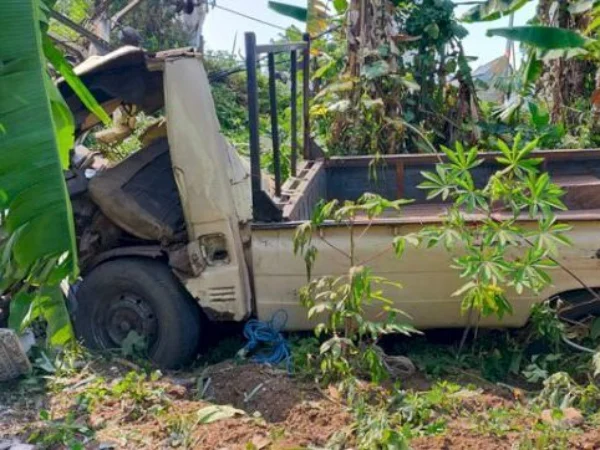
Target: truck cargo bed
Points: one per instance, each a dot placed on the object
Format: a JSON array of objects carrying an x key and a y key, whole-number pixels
[{"x": 398, "y": 176}]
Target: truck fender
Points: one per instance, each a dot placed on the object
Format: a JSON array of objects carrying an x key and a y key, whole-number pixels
[{"x": 145, "y": 251}]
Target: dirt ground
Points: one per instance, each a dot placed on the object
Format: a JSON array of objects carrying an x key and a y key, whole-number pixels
[{"x": 104, "y": 406}]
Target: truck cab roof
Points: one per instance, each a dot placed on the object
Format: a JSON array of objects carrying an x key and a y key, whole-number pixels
[{"x": 128, "y": 75}]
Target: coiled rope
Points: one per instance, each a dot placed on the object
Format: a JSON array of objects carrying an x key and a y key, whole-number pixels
[{"x": 267, "y": 338}]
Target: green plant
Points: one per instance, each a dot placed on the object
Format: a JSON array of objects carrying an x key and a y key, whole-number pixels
[
  {"x": 377, "y": 428},
  {"x": 544, "y": 37},
  {"x": 304, "y": 353},
  {"x": 373, "y": 99},
  {"x": 561, "y": 391},
  {"x": 422, "y": 409},
  {"x": 388, "y": 419},
  {"x": 37, "y": 244},
  {"x": 314, "y": 15},
  {"x": 541, "y": 367},
  {"x": 69, "y": 432},
  {"x": 138, "y": 390},
  {"x": 340, "y": 301},
  {"x": 546, "y": 324},
  {"x": 493, "y": 248},
  {"x": 120, "y": 150},
  {"x": 500, "y": 421}
]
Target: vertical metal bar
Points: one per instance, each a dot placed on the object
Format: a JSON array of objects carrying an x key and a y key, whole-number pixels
[
  {"x": 306, "y": 95},
  {"x": 252, "y": 86},
  {"x": 274, "y": 125},
  {"x": 294, "y": 112}
]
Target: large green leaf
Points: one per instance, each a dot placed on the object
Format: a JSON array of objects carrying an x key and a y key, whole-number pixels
[
  {"x": 545, "y": 38},
  {"x": 314, "y": 15},
  {"x": 533, "y": 70},
  {"x": 37, "y": 129},
  {"x": 49, "y": 303},
  {"x": 492, "y": 10},
  {"x": 57, "y": 59},
  {"x": 340, "y": 6},
  {"x": 295, "y": 12},
  {"x": 22, "y": 309},
  {"x": 52, "y": 304}
]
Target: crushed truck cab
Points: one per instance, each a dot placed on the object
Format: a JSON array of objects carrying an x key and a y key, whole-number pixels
[{"x": 185, "y": 230}]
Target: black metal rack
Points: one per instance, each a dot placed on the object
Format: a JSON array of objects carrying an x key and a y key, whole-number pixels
[{"x": 264, "y": 209}]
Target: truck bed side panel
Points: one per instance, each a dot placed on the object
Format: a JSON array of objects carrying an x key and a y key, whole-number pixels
[{"x": 427, "y": 278}]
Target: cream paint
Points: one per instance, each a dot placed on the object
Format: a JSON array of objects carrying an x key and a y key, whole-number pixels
[
  {"x": 427, "y": 278},
  {"x": 207, "y": 181},
  {"x": 215, "y": 190}
]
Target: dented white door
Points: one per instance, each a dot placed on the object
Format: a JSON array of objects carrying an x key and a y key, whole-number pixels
[{"x": 209, "y": 180}]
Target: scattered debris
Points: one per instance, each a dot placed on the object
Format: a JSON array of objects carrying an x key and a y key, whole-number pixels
[
  {"x": 13, "y": 444},
  {"x": 212, "y": 413},
  {"x": 13, "y": 358}
]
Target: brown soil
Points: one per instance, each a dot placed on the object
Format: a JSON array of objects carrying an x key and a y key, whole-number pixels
[
  {"x": 464, "y": 439},
  {"x": 257, "y": 388},
  {"x": 281, "y": 413},
  {"x": 589, "y": 440}
]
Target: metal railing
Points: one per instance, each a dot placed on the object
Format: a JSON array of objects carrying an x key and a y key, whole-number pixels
[{"x": 264, "y": 208}]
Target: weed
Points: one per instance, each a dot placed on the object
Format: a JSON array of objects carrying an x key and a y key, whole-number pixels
[
  {"x": 499, "y": 421},
  {"x": 68, "y": 432},
  {"x": 351, "y": 347},
  {"x": 305, "y": 352},
  {"x": 136, "y": 389},
  {"x": 545, "y": 438},
  {"x": 422, "y": 409},
  {"x": 546, "y": 324},
  {"x": 376, "y": 428},
  {"x": 542, "y": 366},
  {"x": 560, "y": 391},
  {"x": 181, "y": 428}
]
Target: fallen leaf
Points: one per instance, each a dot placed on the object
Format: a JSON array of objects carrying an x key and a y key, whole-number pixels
[{"x": 214, "y": 413}]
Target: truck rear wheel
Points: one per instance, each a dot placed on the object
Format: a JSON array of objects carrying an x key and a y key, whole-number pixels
[{"x": 142, "y": 296}]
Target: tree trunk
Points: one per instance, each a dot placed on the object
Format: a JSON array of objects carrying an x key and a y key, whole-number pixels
[
  {"x": 353, "y": 37},
  {"x": 566, "y": 79},
  {"x": 101, "y": 28}
]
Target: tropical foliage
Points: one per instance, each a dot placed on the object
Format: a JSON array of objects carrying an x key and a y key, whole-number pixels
[
  {"x": 37, "y": 133},
  {"x": 340, "y": 303},
  {"x": 484, "y": 226}
]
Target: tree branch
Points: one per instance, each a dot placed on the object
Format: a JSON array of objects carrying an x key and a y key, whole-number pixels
[
  {"x": 97, "y": 41},
  {"x": 123, "y": 12}
]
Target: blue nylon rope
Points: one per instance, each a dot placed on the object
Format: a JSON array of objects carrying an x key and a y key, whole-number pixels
[{"x": 267, "y": 336}]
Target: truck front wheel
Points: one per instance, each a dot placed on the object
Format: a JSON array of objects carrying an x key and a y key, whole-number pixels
[{"x": 141, "y": 296}]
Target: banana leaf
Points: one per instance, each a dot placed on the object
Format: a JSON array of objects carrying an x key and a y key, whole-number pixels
[
  {"x": 295, "y": 12},
  {"x": 314, "y": 15},
  {"x": 37, "y": 241},
  {"x": 492, "y": 10},
  {"x": 544, "y": 38}
]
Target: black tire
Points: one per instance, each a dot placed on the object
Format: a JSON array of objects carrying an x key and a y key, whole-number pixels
[
  {"x": 141, "y": 295},
  {"x": 579, "y": 305}
]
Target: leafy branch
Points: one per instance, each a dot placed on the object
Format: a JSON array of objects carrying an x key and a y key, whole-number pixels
[
  {"x": 493, "y": 248},
  {"x": 37, "y": 245},
  {"x": 340, "y": 302}
]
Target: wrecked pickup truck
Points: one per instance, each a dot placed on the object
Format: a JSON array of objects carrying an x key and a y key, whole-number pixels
[{"x": 185, "y": 231}]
